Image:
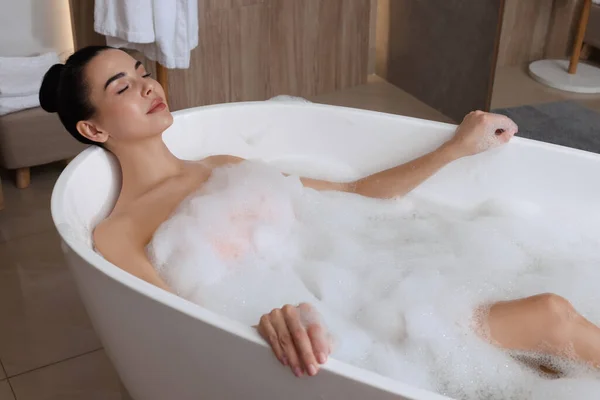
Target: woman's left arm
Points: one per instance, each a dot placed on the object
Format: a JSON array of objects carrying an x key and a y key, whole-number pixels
[{"x": 478, "y": 132}]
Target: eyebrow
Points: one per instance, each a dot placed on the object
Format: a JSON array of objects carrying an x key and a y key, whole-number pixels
[{"x": 119, "y": 75}]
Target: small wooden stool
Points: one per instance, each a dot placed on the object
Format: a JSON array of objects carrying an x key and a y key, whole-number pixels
[{"x": 33, "y": 137}]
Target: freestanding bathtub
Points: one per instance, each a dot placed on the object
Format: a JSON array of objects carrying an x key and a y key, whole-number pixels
[{"x": 164, "y": 347}]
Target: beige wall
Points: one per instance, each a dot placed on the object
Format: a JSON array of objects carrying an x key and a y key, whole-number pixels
[{"x": 28, "y": 27}]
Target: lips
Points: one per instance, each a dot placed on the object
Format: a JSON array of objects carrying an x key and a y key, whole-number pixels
[{"x": 156, "y": 106}]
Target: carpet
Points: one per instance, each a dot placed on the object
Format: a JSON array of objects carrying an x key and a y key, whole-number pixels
[{"x": 565, "y": 123}]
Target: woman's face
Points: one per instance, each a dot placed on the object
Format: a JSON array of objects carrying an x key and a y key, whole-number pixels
[{"x": 130, "y": 105}]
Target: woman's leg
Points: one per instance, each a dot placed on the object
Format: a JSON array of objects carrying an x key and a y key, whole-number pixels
[{"x": 546, "y": 323}]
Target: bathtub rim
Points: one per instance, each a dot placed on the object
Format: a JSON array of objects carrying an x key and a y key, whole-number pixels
[
  {"x": 204, "y": 315},
  {"x": 522, "y": 141}
]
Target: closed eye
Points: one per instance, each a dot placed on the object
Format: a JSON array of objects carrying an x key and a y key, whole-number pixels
[{"x": 127, "y": 87}]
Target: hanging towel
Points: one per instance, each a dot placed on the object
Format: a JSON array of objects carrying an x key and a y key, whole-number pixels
[
  {"x": 165, "y": 31},
  {"x": 13, "y": 104},
  {"x": 22, "y": 76}
]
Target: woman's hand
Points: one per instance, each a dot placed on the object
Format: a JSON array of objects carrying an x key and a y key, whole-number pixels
[
  {"x": 296, "y": 337},
  {"x": 480, "y": 131}
]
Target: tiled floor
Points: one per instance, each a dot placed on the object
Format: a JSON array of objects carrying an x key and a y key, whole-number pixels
[
  {"x": 5, "y": 391},
  {"x": 47, "y": 346},
  {"x": 513, "y": 87},
  {"x": 89, "y": 377}
]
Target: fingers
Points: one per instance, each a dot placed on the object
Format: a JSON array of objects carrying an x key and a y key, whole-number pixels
[
  {"x": 301, "y": 340},
  {"x": 505, "y": 136},
  {"x": 499, "y": 121},
  {"x": 308, "y": 316},
  {"x": 499, "y": 126},
  {"x": 319, "y": 338},
  {"x": 297, "y": 338},
  {"x": 286, "y": 342},
  {"x": 267, "y": 331},
  {"x": 504, "y": 127},
  {"x": 320, "y": 342}
]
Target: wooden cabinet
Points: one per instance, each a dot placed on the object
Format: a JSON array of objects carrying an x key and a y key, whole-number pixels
[{"x": 445, "y": 52}]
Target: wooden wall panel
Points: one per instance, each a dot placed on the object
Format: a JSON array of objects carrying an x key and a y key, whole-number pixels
[
  {"x": 372, "y": 37},
  {"x": 292, "y": 56},
  {"x": 524, "y": 29},
  {"x": 248, "y": 28},
  {"x": 353, "y": 42},
  {"x": 330, "y": 51},
  {"x": 206, "y": 81},
  {"x": 538, "y": 29},
  {"x": 382, "y": 37},
  {"x": 592, "y": 36},
  {"x": 563, "y": 28},
  {"x": 315, "y": 46},
  {"x": 255, "y": 49},
  {"x": 82, "y": 22}
]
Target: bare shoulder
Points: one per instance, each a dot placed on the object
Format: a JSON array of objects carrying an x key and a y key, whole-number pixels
[
  {"x": 135, "y": 219},
  {"x": 118, "y": 243},
  {"x": 115, "y": 234}
]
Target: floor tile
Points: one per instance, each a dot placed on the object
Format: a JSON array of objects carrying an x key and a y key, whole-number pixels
[
  {"x": 27, "y": 211},
  {"x": 594, "y": 104},
  {"x": 379, "y": 95},
  {"x": 42, "y": 319},
  {"x": 87, "y": 377},
  {"x": 5, "y": 391},
  {"x": 514, "y": 87}
]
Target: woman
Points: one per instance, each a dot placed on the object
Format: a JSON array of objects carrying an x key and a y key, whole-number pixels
[{"x": 104, "y": 97}]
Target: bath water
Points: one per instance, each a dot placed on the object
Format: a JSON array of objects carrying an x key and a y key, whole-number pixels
[{"x": 396, "y": 282}]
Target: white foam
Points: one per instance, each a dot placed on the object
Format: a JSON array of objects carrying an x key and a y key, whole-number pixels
[{"x": 397, "y": 282}]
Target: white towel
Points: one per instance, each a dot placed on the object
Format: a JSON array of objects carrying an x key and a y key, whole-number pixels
[
  {"x": 22, "y": 76},
  {"x": 165, "y": 31},
  {"x": 13, "y": 104}
]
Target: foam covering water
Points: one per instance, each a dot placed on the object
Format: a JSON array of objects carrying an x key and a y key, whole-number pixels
[{"x": 395, "y": 281}]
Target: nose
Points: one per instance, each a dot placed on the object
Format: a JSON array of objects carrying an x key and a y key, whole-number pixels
[{"x": 148, "y": 88}]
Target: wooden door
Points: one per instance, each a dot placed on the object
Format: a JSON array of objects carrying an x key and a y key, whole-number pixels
[{"x": 443, "y": 52}]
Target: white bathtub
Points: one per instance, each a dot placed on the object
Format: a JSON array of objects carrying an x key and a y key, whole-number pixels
[{"x": 164, "y": 347}]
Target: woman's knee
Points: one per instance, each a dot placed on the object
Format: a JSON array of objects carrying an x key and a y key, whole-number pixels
[
  {"x": 555, "y": 306},
  {"x": 558, "y": 317}
]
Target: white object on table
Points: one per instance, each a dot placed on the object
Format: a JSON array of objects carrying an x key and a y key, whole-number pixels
[
  {"x": 13, "y": 104},
  {"x": 22, "y": 76}
]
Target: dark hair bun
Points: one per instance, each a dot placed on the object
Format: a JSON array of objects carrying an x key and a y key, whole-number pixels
[{"x": 49, "y": 88}]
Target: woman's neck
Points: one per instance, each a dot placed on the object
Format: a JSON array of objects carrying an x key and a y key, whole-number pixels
[{"x": 144, "y": 165}]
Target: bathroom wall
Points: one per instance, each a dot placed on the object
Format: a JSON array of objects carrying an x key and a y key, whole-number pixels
[
  {"x": 256, "y": 49},
  {"x": 537, "y": 29},
  {"x": 531, "y": 30},
  {"x": 28, "y": 27},
  {"x": 446, "y": 53},
  {"x": 263, "y": 48}
]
